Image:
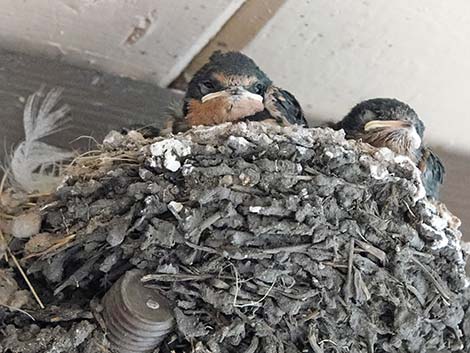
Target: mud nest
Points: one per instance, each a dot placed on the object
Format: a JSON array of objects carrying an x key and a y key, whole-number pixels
[{"x": 263, "y": 238}]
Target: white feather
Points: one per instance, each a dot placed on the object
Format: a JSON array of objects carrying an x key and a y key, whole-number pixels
[{"x": 32, "y": 162}]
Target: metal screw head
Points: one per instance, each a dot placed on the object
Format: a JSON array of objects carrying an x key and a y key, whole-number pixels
[{"x": 153, "y": 304}]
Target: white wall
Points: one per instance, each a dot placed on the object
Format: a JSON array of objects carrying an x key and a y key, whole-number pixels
[{"x": 334, "y": 53}]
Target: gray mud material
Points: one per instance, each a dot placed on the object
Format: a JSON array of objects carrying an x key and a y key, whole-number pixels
[{"x": 265, "y": 239}]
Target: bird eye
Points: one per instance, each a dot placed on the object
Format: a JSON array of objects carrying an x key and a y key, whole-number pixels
[
  {"x": 259, "y": 88},
  {"x": 205, "y": 87}
]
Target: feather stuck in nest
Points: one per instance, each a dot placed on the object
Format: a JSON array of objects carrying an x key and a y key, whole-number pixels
[{"x": 33, "y": 164}]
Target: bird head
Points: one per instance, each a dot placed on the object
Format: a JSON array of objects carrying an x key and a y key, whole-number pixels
[
  {"x": 385, "y": 122},
  {"x": 227, "y": 88}
]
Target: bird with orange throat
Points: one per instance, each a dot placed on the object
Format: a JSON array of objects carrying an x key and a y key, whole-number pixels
[{"x": 230, "y": 88}]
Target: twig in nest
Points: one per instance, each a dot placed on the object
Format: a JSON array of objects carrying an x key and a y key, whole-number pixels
[
  {"x": 256, "y": 254},
  {"x": 88, "y": 137},
  {"x": 347, "y": 289},
  {"x": 430, "y": 305},
  {"x": 3, "y": 245},
  {"x": 312, "y": 316},
  {"x": 237, "y": 290},
  {"x": 409, "y": 209},
  {"x": 333, "y": 264},
  {"x": 33, "y": 291},
  {"x": 82, "y": 156},
  {"x": 12, "y": 308},
  {"x": 202, "y": 248},
  {"x": 312, "y": 340},
  {"x": 335, "y": 346},
  {"x": 37, "y": 195},
  {"x": 165, "y": 277},
  {"x": 416, "y": 293},
  {"x": 56, "y": 246},
  {"x": 249, "y": 253},
  {"x": 196, "y": 232},
  {"x": 4, "y": 179},
  {"x": 382, "y": 256},
  {"x": 433, "y": 278}
]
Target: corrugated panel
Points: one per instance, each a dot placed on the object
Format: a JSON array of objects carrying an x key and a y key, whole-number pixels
[{"x": 146, "y": 39}]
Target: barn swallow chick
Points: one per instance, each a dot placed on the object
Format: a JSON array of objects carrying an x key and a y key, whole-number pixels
[
  {"x": 231, "y": 87},
  {"x": 385, "y": 122},
  {"x": 228, "y": 88}
]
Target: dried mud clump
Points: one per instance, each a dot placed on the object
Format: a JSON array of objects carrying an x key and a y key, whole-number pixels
[{"x": 263, "y": 238}]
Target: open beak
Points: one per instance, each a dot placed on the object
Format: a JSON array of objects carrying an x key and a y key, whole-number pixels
[
  {"x": 235, "y": 93},
  {"x": 384, "y": 124}
]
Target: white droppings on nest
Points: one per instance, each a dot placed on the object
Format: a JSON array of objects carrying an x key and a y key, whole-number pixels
[
  {"x": 335, "y": 152},
  {"x": 239, "y": 143},
  {"x": 304, "y": 193},
  {"x": 435, "y": 219},
  {"x": 170, "y": 150},
  {"x": 153, "y": 163},
  {"x": 406, "y": 162},
  {"x": 175, "y": 206},
  {"x": 302, "y": 150},
  {"x": 187, "y": 169},
  {"x": 399, "y": 159},
  {"x": 265, "y": 139},
  {"x": 167, "y": 268},
  {"x": 376, "y": 174},
  {"x": 453, "y": 221},
  {"x": 309, "y": 137},
  {"x": 456, "y": 243},
  {"x": 244, "y": 178},
  {"x": 466, "y": 249},
  {"x": 207, "y": 133},
  {"x": 330, "y": 154},
  {"x": 439, "y": 223},
  {"x": 384, "y": 153},
  {"x": 443, "y": 239},
  {"x": 255, "y": 209},
  {"x": 377, "y": 171}
]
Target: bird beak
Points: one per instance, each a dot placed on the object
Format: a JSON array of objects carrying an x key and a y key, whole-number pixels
[
  {"x": 236, "y": 93},
  {"x": 406, "y": 127},
  {"x": 383, "y": 124}
]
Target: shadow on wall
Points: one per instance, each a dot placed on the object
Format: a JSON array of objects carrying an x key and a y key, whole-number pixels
[{"x": 455, "y": 192}]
